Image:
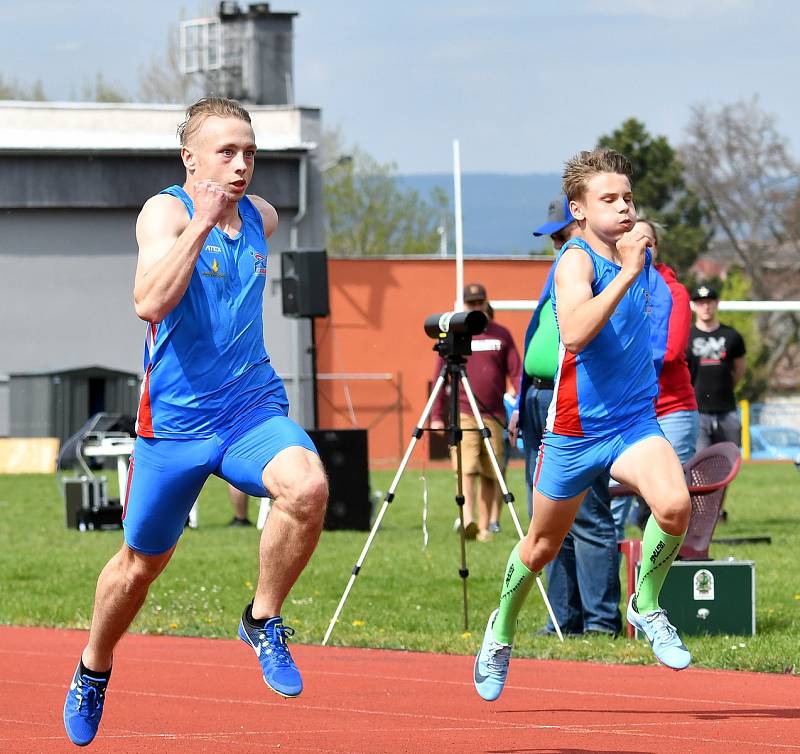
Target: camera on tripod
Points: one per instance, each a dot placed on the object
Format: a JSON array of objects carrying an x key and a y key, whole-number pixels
[{"x": 453, "y": 331}]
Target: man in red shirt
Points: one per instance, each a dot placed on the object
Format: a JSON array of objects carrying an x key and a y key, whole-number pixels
[{"x": 494, "y": 365}]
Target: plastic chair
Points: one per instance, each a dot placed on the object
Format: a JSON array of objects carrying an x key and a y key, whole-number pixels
[{"x": 708, "y": 474}]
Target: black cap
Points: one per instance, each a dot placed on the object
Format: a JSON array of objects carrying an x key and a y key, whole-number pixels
[{"x": 704, "y": 292}]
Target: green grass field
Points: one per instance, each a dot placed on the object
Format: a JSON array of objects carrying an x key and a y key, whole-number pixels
[{"x": 406, "y": 596}]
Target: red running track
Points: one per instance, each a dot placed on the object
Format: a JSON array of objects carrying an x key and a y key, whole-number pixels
[{"x": 172, "y": 694}]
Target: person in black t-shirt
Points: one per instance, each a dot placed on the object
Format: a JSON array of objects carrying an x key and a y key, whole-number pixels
[{"x": 716, "y": 358}]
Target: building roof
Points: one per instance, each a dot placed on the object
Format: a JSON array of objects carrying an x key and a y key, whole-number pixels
[{"x": 126, "y": 127}]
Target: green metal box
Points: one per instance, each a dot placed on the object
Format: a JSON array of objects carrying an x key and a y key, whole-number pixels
[{"x": 711, "y": 597}]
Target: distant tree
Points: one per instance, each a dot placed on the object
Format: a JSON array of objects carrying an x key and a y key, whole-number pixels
[
  {"x": 101, "y": 90},
  {"x": 10, "y": 89},
  {"x": 660, "y": 194},
  {"x": 369, "y": 214},
  {"x": 740, "y": 165},
  {"x": 161, "y": 80}
]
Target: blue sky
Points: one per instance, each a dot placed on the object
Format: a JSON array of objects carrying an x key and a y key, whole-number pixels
[{"x": 522, "y": 83}]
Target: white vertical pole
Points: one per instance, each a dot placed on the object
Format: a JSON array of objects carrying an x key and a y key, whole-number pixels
[{"x": 459, "y": 234}]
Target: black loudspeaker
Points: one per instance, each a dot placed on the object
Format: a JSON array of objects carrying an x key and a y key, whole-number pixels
[
  {"x": 344, "y": 455},
  {"x": 304, "y": 283}
]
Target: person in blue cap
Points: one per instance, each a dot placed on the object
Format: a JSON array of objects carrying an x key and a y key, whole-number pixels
[{"x": 583, "y": 580}]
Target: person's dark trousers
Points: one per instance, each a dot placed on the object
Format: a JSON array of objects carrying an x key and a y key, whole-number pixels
[
  {"x": 583, "y": 579},
  {"x": 715, "y": 428}
]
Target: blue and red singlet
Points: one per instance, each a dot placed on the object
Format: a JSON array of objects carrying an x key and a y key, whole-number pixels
[
  {"x": 205, "y": 363},
  {"x": 611, "y": 383}
]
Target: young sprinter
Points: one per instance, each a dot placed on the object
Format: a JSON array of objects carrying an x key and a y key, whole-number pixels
[
  {"x": 211, "y": 404},
  {"x": 602, "y": 416}
]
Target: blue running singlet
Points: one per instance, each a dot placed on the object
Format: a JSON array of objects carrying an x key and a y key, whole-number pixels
[
  {"x": 611, "y": 383},
  {"x": 205, "y": 364}
]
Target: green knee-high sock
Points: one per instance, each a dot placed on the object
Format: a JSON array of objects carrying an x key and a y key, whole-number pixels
[
  {"x": 659, "y": 549},
  {"x": 517, "y": 582}
]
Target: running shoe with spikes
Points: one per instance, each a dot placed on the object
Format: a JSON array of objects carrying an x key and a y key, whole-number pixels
[
  {"x": 662, "y": 635},
  {"x": 269, "y": 643},
  {"x": 491, "y": 664},
  {"x": 84, "y": 706}
]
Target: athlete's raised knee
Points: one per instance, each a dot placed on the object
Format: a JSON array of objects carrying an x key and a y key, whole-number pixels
[{"x": 672, "y": 510}]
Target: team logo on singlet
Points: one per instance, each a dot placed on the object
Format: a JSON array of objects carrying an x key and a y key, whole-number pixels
[
  {"x": 214, "y": 271},
  {"x": 260, "y": 263},
  {"x": 212, "y": 249}
]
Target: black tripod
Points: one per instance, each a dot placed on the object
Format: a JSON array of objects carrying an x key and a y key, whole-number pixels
[{"x": 453, "y": 348}]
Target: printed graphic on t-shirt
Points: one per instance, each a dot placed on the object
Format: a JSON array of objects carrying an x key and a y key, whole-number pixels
[
  {"x": 487, "y": 344},
  {"x": 710, "y": 350}
]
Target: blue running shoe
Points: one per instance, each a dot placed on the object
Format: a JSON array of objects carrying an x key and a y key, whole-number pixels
[
  {"x": 84, "y": 707},
  {"x": 662, "y": 635},
  {"x": 269, "y": 643},
  {"x": 491, "y": 664}
]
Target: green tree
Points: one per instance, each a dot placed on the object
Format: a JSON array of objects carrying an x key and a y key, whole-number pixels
[
  {"x": 369, "y": 214},
  {"x": 737, "y": 287},
  {"x": 661, "y": 194}
]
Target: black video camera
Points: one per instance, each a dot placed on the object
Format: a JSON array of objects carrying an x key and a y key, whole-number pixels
[{"x": 453, "y": 331}]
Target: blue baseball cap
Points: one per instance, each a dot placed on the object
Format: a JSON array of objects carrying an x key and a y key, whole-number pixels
[{"x": 558, "y": 217}]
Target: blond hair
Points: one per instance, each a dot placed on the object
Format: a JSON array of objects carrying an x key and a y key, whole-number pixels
[
  {"x": 585, "y": 165},
  {"x": 197, "y": 113}
]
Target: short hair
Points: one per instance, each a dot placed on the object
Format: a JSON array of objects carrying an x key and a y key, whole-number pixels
[
  {"x": 197, "y": 113},
  {"x": 584, "y": 165}
]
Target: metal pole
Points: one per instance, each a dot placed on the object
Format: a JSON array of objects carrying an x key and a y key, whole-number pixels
[{"x": 459, "y": 228}]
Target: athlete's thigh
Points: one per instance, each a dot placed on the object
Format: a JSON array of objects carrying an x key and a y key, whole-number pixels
[
  {"x": 249, "y": 455},
  {"x": 164, "y": 480},
  {"x": 651, "y": 466},
  {"x": 552, "y": 519}
]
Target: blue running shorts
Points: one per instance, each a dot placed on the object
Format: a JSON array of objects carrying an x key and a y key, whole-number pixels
[
  {"x": 166, "y": 476},
  {"x": 566, "y": 466}
]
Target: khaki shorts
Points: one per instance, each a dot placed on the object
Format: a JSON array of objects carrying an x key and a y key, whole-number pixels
[{"x": 474, "y": 456}]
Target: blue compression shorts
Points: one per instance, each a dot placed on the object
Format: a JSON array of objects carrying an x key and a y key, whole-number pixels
[
  {"x": 166, "y": 476},
  {"x": 566, "y": 466}
]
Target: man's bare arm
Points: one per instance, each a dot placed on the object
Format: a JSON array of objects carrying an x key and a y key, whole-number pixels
[
  {"x": 268, "y": 214},
  {"x": 169, "y": 244}
]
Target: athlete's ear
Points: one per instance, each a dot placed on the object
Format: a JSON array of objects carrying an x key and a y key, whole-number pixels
[
  {"x": 188, "y": 157},
  {"x": 576, "y": 210}
]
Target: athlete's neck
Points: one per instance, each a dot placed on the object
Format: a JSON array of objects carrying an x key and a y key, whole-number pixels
[{"x": 603, "y": 247}]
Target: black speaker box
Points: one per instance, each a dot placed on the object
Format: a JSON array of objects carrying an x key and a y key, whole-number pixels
[
  {"x": 304, "y": 283},
  {"x": 344, "y": 455}
]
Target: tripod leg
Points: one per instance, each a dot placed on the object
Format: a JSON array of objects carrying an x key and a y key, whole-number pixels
[
  {"x": 507, "y": 496},
  {"x": 463, "y": 571},
  {"x": 416, "y": 434}
]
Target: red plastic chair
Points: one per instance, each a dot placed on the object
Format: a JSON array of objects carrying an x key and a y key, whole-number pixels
[{"x": 708, "y": 474}]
